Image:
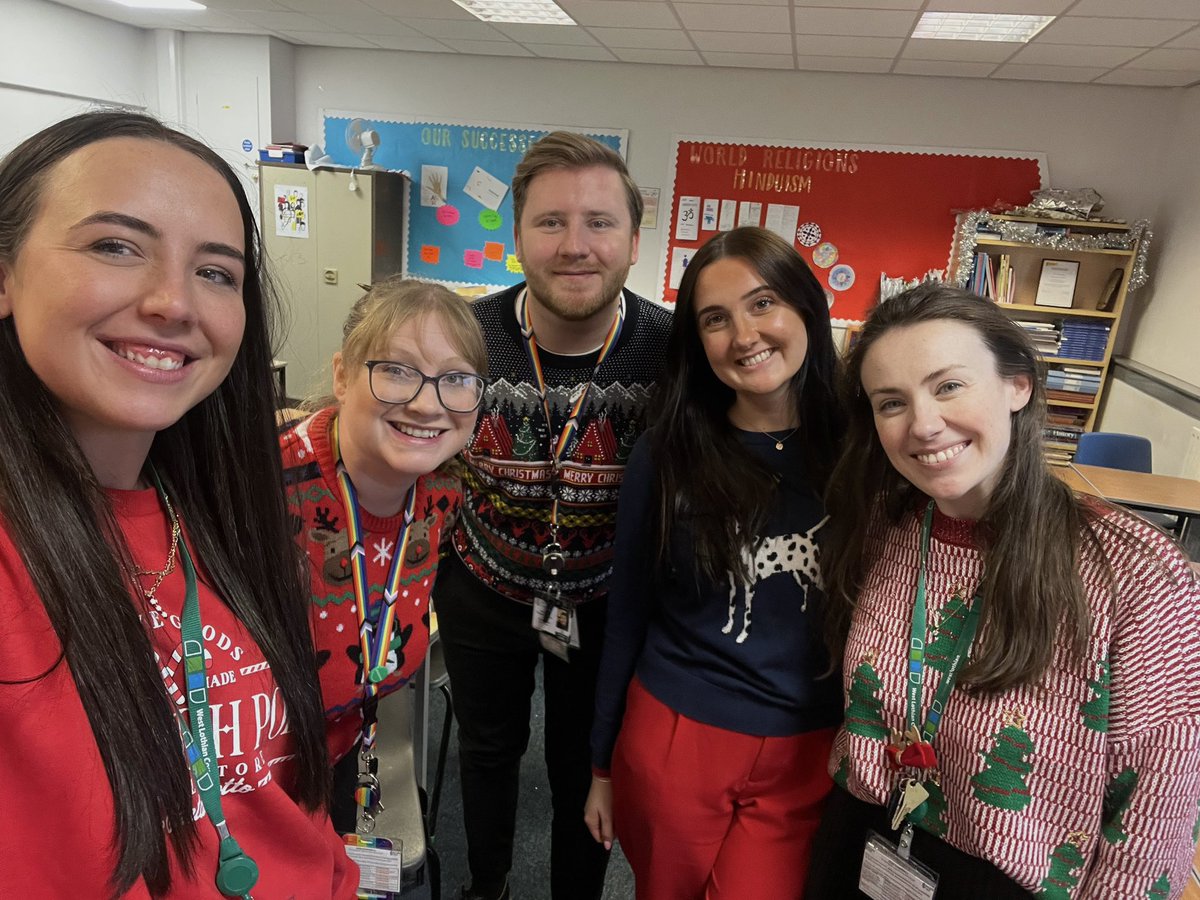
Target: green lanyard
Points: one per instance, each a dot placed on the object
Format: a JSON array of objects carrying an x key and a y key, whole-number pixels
[
  {"x": 237, "y": 873},
  {"x": 916, "y": 648}
]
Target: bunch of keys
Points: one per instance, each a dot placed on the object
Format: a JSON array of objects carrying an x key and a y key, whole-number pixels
[
  {"x": 906, "y": 799},
  {"x": 553, "y": 560}
]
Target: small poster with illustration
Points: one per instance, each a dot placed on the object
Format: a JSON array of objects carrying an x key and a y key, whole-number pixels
[{"x": 291, "y": 211}]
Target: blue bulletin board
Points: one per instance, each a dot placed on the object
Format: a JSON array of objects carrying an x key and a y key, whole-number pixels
[{"x": 460, "y": 223}]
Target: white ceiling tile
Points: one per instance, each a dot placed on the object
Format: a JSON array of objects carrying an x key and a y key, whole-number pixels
[
  {"x": 571, "y": 51},
  {"x": 1111, "y": 32},
  {"x": 1138, "y": 9},
  {"x": 860, "y": 4},
  {"x": 460, "y": 31},
  {"x": 1049, "y": 73},
  {"x": 487, "y": 48},
  {"x": 961, "y": 51},
  {"x": 944, "y": 67},
  {"x": 328, "y": 39},
  {"x": 1042, "y": 53},
  {"x": 547, "y": 34},
  {"x": 842, "y": 64},
  {"x": 1006, "y": 7},
  {"x": 418, "y": 43},
  {"x": 1179, "y": 60},
  {"x": 366, "y": 23},
  {"x": 1149, "y": 77},
  {"x": 864, "y": 22},
  {"x": 430, "y": 9},
  {"x": 649, "y": 38},
  {"x": 729, "y": 17},
  {"x": 1187, "y": 39},
  {"x": 751, "y": 60},
  {"x": 745, "y": 2},
  {"x": 842, "y": 45},
  {"x": 620, "y": 13},
  {"x": 248, "y": 4},
  {"x": 743, "y": 42},
  {"x": 316, "y": 7},
  {"x": 665, "y": 57},
  {"x": 281, "y": 21}
]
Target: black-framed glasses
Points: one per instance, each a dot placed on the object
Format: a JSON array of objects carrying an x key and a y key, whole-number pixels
[{"x": 393, "y": 382}]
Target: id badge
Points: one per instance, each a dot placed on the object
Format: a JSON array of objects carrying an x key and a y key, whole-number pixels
[
  {"x": 552, "y": 619},
  {"x": 886, "y": 875},
  {"x": 379, "y": 865}
]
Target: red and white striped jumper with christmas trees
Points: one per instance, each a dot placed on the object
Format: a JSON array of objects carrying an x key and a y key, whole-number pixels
[{"x": 1084, "y": 785}]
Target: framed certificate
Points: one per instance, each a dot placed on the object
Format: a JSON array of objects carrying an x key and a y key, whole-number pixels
[{"x": 1056, "y": 286}]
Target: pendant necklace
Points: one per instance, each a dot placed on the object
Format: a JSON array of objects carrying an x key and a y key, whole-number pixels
[
  {"x": 161, "y": 574},
  {"x": 779, "y": 440}
]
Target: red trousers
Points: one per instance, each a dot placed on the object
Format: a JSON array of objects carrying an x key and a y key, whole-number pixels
[{"x": 708, "y": 814}]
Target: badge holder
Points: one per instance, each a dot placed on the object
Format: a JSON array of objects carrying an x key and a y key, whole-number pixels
[
  {"x": 555, "y": 621},
  {"x": 379, "y": 859},
  {"x": 888, "y": 872}
]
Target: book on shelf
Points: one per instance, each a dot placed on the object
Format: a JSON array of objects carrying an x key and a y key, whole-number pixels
[{"x": 1069, "y": 396}]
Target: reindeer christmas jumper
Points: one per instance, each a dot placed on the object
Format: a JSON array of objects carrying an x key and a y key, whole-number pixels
[
  {"x": 319, "y": 520},
  {"x": 744, "y": 659}
]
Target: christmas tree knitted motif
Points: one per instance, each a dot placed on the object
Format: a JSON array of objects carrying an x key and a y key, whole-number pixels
[
  {"x": 864, "y": 714},
  {"x": 1002, "y": 782},
  {"x": 1116, "y": 800},
  {"x": 1095, "y": 710},
  {"x": 525, "y": 444},
  {"x": 1161, "y": 889},
  {"x": 1064, "y": 860},
  {"x": 843, "y": 773},
  {"x": 1196, "y": 827},
  {"x": 944, "y": 640}
]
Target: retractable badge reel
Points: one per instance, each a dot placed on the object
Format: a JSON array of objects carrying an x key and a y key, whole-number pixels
[{"x": 379, "y": 859}]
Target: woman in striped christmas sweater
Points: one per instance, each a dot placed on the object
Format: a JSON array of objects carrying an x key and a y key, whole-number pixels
[{"x": 1021, "y": 664}]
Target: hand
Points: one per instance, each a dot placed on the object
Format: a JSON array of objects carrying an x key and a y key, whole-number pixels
[{"x": 597, "y": 812}]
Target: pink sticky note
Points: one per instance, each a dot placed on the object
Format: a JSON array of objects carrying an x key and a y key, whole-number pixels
[
  {"x": 430, "y": 254},
  {"x": 448, "y": 215},
  {"x": 472, "y": 259},
  {"x": 493, "y": 250}
]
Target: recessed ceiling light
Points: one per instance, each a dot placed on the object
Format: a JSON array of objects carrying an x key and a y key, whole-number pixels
[
  {"x": 525, "y": 12},
  {"x": 161, "y": 4},
  {"x": 953, "y": 26}
]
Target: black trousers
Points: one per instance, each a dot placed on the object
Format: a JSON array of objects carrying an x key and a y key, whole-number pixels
[
  {"x": 491, "y": 654},
  {"x": 838, "y": 848}
]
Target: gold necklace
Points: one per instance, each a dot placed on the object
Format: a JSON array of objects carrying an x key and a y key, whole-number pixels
[
  {"x": 779, "y": 441},
  {"x": 161, "y": 574}
]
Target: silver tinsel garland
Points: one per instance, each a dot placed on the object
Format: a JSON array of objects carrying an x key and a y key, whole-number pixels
[{"x": 1139, "y": 235}]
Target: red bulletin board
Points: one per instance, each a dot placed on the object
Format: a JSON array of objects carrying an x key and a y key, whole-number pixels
[{"x": 859, "y": 212}]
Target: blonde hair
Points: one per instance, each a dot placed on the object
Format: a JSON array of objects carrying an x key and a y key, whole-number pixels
[{"x": 387, "y": 305}]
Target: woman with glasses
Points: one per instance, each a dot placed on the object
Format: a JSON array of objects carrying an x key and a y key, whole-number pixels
[{"x": 369, "y": 505}]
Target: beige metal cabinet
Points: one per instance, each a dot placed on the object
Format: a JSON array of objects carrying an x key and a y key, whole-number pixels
[{"x": 353, "y": 237}]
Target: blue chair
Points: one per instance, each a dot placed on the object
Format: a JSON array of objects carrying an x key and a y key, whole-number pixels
[{"x": 1111, "y": 450}]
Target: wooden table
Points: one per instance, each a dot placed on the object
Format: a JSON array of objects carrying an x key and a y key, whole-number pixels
[{"x": 1138, "y": 490}]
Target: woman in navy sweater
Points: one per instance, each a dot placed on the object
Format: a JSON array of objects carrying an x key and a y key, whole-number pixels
[{"x": 713, "y": 723}]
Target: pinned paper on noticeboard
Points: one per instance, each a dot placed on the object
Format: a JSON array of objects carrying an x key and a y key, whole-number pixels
[{"x": 487, "y": 189}]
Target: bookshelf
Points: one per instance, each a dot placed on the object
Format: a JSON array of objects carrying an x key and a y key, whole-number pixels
[{"x": 1001, "y": 257}]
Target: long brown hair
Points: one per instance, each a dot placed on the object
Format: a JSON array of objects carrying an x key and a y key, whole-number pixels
[
  {"x": 703, "y": 470},
  {"x": 1032, "y": 588},
  {"x": 220, "y": 463}
]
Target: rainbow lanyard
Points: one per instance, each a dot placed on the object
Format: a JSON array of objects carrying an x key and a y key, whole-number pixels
[
  {"x": 237, "y": 873},
  {"x": 374, "y": 638},
  {"x": 572, "y": 424}
]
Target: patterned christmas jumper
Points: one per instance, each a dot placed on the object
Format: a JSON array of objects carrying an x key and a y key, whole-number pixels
[
  {"x": 50, "y": 765},
  {"x": 507, "y": 482},
  {"x": 1083, "y": 786},
  {"x": 319, "y": 520}
]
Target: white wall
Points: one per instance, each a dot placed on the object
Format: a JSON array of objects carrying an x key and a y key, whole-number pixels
[
  {"x": 1093, "y": 135},
  {"x": 1162, "y": 323},
  {"x": 57, "y": 61}
]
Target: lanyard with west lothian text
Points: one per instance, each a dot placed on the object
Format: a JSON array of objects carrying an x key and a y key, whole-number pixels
[
  {"x": 560, "y": 445},
  {"x": 237, "y": 873},
  {"x": 916, "y": 649}
]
